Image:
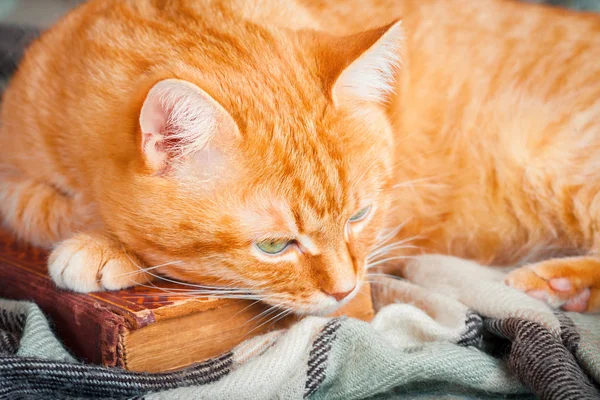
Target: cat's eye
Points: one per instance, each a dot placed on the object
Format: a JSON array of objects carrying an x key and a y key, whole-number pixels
[
  {"x": 361, "y": 214},
  {"x": 273, "y": 247}
]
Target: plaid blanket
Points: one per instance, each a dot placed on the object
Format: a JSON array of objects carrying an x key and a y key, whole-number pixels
[{"x": 454, "y": 331}]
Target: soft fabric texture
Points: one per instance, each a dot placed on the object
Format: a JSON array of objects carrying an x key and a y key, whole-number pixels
[{"x": 456, "y": 330}]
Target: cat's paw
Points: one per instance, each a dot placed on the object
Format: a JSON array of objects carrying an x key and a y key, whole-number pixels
[
  {"x": 90, "y": 263},
  {"x": 560, "y": 283}
]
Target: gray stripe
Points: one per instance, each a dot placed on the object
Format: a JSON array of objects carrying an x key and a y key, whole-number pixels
[
  {"x": 63, "y": 380},
  {"x": 13, "y": 323},
  {"x": 568, "y": 332},
  {"x": 473, "y": 333},
  {"x": 571, "y": 339},
  {"x": 542, "y": 362},
  {"x": 317, "y": 361},
  {"x": 9, "y": 343}
]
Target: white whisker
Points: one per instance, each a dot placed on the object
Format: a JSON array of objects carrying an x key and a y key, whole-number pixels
[
  {"x": 201, "y": 294},
  {"x": 179, "y": 282},
  {"x": 411, "y": 183},
  {"x": 418, "y": 156},
  {"x": 282, "y": 314},
  {"x": 383, "y": 249},
  {"x": 386, "y": 260},
  {"x": 245, "y": 308},
  {"x": 386, "y": 250},
  {"x": 268, "y": 311},
  {"x": 393, "y": 232},
  {"x": 377, "y": 274},
  {"x": 142, "y": 269}
]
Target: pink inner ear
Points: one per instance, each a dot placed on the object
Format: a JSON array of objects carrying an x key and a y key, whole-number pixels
[
  {"x": 153, "y": 122},
  {"x": 179, "y": 121}
]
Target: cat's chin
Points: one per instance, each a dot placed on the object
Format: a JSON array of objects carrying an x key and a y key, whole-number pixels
[
  {"x": 317, "y": 311},
  {"x": 324, "y": 305}
]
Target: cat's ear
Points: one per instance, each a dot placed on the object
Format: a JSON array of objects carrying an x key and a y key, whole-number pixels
[
  {"x": 369, "y": 64},
  {"x": 178, "y": 121}
]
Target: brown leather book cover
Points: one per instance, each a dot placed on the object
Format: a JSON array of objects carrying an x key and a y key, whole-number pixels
[{"x": 119, "y": 328}]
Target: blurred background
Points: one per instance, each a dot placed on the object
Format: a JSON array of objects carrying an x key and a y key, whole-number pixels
[
  {"x": 39, "y": 13},
  {"x": 42, "y": 13},
  {"x": 20, "y": 21}
]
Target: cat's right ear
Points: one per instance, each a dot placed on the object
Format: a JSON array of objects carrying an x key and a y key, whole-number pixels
[
  {"x": 178, "y": 121},
  {"x": 362, "y": 67}
]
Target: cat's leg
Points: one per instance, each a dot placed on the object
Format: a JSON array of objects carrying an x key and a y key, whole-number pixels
[
  {"x": 90, "y": 262},
  {"x": 35, "y": 211},
  {"x": 572, "y": 283}
]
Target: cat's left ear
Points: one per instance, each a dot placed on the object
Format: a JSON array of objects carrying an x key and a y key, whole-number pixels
[
  {"x": 367, "y": 64},
  {"x": 180, "y": 122}
]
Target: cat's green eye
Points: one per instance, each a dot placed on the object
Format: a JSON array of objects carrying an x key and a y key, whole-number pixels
[
  {"x": 360, "y": 214},
  {"x": 273, "y": 247}
]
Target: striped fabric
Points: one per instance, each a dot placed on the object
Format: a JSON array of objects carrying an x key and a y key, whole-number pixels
[
  {"x": 47, "y": 379},
  {"x": 23, "y": 376},
  {"x": 317, "y": 362},
  {"x": 454, "y": 330},
  {"x": 543, "y": 361}
]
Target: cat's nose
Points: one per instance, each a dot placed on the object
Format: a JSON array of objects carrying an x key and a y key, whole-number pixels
[{"x": 339, "y": 296}]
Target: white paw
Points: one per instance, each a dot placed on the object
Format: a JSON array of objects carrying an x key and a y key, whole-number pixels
[{"x": 87, "y": 263}]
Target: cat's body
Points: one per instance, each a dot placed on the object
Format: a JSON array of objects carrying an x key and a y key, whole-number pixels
[
  {"x": 507, "y": 119},
  {"x": 490, "y": 153}
]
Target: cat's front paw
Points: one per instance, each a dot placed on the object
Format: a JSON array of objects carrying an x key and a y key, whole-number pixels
[
  {"x": 564, "y": 283},
  {"x": 90, "y": 263}
]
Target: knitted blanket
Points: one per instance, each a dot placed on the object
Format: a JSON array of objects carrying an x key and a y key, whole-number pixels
[{"x": 454, "y": 331}]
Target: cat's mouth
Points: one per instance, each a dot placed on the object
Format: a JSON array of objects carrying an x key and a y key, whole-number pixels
[{"x": 319, "y": 304}]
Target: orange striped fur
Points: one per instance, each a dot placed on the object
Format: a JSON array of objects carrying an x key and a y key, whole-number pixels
[{"x": 177, "y": 135}]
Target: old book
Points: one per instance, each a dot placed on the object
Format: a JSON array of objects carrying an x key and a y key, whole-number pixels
[{"x": 141, "y": 329}]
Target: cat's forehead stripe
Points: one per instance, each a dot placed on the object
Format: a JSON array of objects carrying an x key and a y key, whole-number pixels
[{"x": 316, "y": 173}]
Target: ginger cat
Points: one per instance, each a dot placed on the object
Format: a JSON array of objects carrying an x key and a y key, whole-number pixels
[{"x": 277, "y": 151}]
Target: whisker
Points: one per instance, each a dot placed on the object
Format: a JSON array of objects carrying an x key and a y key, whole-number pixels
[
  {"x": 405, "y": 138},
  {"x": 245, "y": 308},
  {"x": 384, "y": 275},
  {"x": 387, "y": 249},
  {"x": 410, "y": 183},
  {"x": 418, "y": 156},
  {"x": 393, "y": 232},
  {"x": 192, "y": 293},
  {"x": 284, "y": 313},
  {"x": 198, "y": 294},
  {"x": 405, "y": 240},
  {"x": 268, "y": 311},
  {"x": 142, "y": 269},
  {"x": 176, "y": 281},
  {"x": 386, "y": 260}
]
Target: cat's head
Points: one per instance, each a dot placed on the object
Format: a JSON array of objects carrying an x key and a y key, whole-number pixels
[{"x": 275, "y": 179}]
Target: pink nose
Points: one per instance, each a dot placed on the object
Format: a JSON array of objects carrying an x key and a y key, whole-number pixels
[{"x": 339, "y": 296}]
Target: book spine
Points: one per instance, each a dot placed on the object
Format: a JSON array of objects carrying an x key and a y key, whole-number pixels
[{"x": 91, "y": 330}]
